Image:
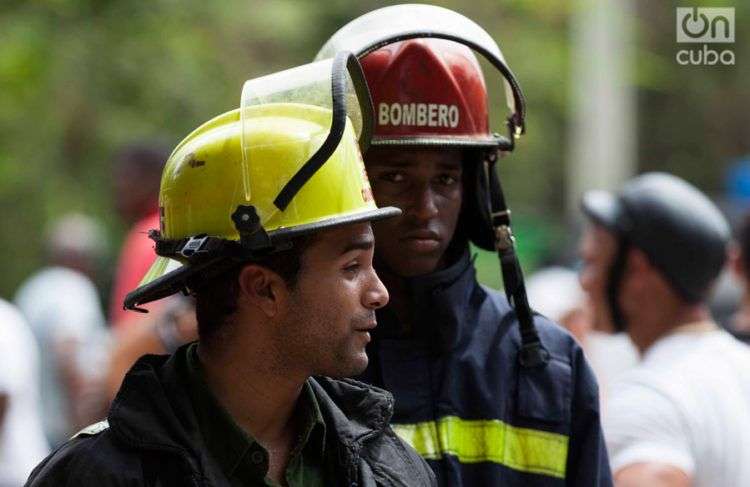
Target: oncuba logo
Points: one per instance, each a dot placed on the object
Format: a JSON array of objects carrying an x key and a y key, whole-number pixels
[
  {"x": 706, "y": 26},
  {"x": 418, "y": 115}
]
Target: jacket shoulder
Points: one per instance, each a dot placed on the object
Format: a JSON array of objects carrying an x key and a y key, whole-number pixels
[
  {"x": 365, "y": 420},
  {"x": 91, "y": 458},
  {"x": 394, "y": 462},
  {"x": 565, "y": 385},
  {"x": 559, "y": 342}
]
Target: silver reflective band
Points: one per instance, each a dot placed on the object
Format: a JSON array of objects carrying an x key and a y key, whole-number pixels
[{"x": 92, "y": 429}]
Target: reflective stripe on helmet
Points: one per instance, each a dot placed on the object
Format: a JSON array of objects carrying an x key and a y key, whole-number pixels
[{"x": 490, "y": 440}]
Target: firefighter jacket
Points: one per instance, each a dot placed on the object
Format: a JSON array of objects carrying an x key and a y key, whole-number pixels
[
  {"x": 152, "y": 437},
  {"x": 468, "y": 407}
]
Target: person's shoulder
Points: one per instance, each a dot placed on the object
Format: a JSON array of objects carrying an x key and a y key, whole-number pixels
[
  {"x": 555, "y": 337},
  {"x": 10, "y": 314},
  {"x": 707, "y": 363},
  {"x": 39, "y": 297},
  {"x": 395, "y": 462},
  {"x": 53, "y": 277},
  {"x": 91, "y": 458},
  {"x": 16, "y": 336},
  {"x": 358, "y": 410}
]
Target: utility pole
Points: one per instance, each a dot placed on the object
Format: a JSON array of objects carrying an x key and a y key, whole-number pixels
[{"x": 602, "y": 141}]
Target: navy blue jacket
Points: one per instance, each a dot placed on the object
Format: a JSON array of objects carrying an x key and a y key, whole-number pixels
[{"x": 464, "y": 403}]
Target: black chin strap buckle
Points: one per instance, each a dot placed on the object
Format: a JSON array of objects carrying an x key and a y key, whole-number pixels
[
  {"x": 252, "y": 234},
  {"x": 504, "y": 238},
  {"x": 194, "y": 246},
  {"x": 515, "y": 130}
]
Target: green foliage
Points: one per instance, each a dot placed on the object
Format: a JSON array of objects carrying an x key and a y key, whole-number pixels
[{"x": 79, "y": 78}]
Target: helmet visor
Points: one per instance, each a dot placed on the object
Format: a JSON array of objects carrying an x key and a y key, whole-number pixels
[{"x": 334, "y": 95}]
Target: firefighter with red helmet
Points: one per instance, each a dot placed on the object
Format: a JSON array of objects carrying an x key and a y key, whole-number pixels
[{"x": 485, "y": 390}]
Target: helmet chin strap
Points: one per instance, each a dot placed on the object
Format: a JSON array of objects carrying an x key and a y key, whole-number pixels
[
  {"x": 532, "y": 353},
  {"x": 614, "y": 282}
]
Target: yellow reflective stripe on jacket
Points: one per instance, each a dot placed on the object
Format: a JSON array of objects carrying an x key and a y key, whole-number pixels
[{"x": 490, "y": 440}]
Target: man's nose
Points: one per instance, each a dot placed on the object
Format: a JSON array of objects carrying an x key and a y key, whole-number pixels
[
  {"x": 376, "y": 295},
  {"x": 424, "y": 206}
]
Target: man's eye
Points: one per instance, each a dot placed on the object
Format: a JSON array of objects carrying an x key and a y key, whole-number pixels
[
  {"x": 447, "y": 180},
  {"x": 352, "y": 268},
  {"x": 392, "y": 177}
]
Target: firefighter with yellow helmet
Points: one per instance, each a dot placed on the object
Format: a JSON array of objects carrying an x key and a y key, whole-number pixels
[
  {"x": 265, "y": 220},
  {"x": 486, "y": 391}
]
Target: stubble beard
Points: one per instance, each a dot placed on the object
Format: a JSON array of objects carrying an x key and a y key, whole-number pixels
[{"x": 308, "y": 341}]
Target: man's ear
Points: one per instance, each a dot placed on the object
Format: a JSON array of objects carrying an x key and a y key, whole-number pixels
[
  {"x": 263, "y": 289},
  {"x": 638, "y": 262},
  {"x": 638, "y": 266}
]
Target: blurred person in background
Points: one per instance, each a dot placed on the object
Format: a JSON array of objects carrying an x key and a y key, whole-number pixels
[
  {"x": 740, "y": 323},
  {"x": 557, "y": 294},
  {"x": 651, "y": 255},
  {"x": 62, "y": 306},
  {"x": 22, "y": 441},
  {"x": 137, "y": 173}
]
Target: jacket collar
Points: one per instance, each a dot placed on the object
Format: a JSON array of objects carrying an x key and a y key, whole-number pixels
[
  {"x": 355, "y": 411},
  {"x": 442, "y": 304},
  {"x": 153, "y": 411}
]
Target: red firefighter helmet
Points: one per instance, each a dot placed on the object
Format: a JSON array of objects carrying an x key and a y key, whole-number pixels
[
  {"x": 428, "y": 92},
  {"x": 426, "y": 82}
]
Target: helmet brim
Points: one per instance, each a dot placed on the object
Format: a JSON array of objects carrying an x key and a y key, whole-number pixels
[
  {"x": 441, "y": 141},
  {"x": 168, "y": 276},
  {"x": 603, "y": 208}
]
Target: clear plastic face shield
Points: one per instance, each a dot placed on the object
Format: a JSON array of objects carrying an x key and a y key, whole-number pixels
[
  {"x": 330, "y": 95},
  {"x": 401, "y": 22}
]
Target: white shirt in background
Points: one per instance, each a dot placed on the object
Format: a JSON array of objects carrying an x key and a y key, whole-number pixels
[
  {"x": 62, "y": 305},
  {"x": 22, "y": 442},
  {"x": 610, "y": 356},
  {"x": 687, "y": 404}
]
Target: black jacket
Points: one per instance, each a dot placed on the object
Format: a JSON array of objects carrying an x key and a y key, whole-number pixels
[
  {"x": 152, "y": 437},
  {"x": 464, "y": 402}
]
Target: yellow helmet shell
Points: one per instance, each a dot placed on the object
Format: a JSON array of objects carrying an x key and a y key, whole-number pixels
[{"x": 203, "y": 181}]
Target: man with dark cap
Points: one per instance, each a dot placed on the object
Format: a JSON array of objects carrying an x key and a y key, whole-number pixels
[{"x": 682, "y": 416}]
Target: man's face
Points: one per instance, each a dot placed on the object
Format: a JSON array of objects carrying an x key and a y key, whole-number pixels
[
  {"x": 332, "y": 305},
  {"x": 426, "y": 185},
  {"x": 597, "y": 249}
]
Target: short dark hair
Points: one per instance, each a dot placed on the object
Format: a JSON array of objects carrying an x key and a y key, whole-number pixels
[
  {"x": 146, "y": 157},
  {"x": 216, "y": 297}
]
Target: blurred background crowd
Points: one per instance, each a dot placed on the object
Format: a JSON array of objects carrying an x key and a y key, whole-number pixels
[{"x": 96, "y": 93}]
